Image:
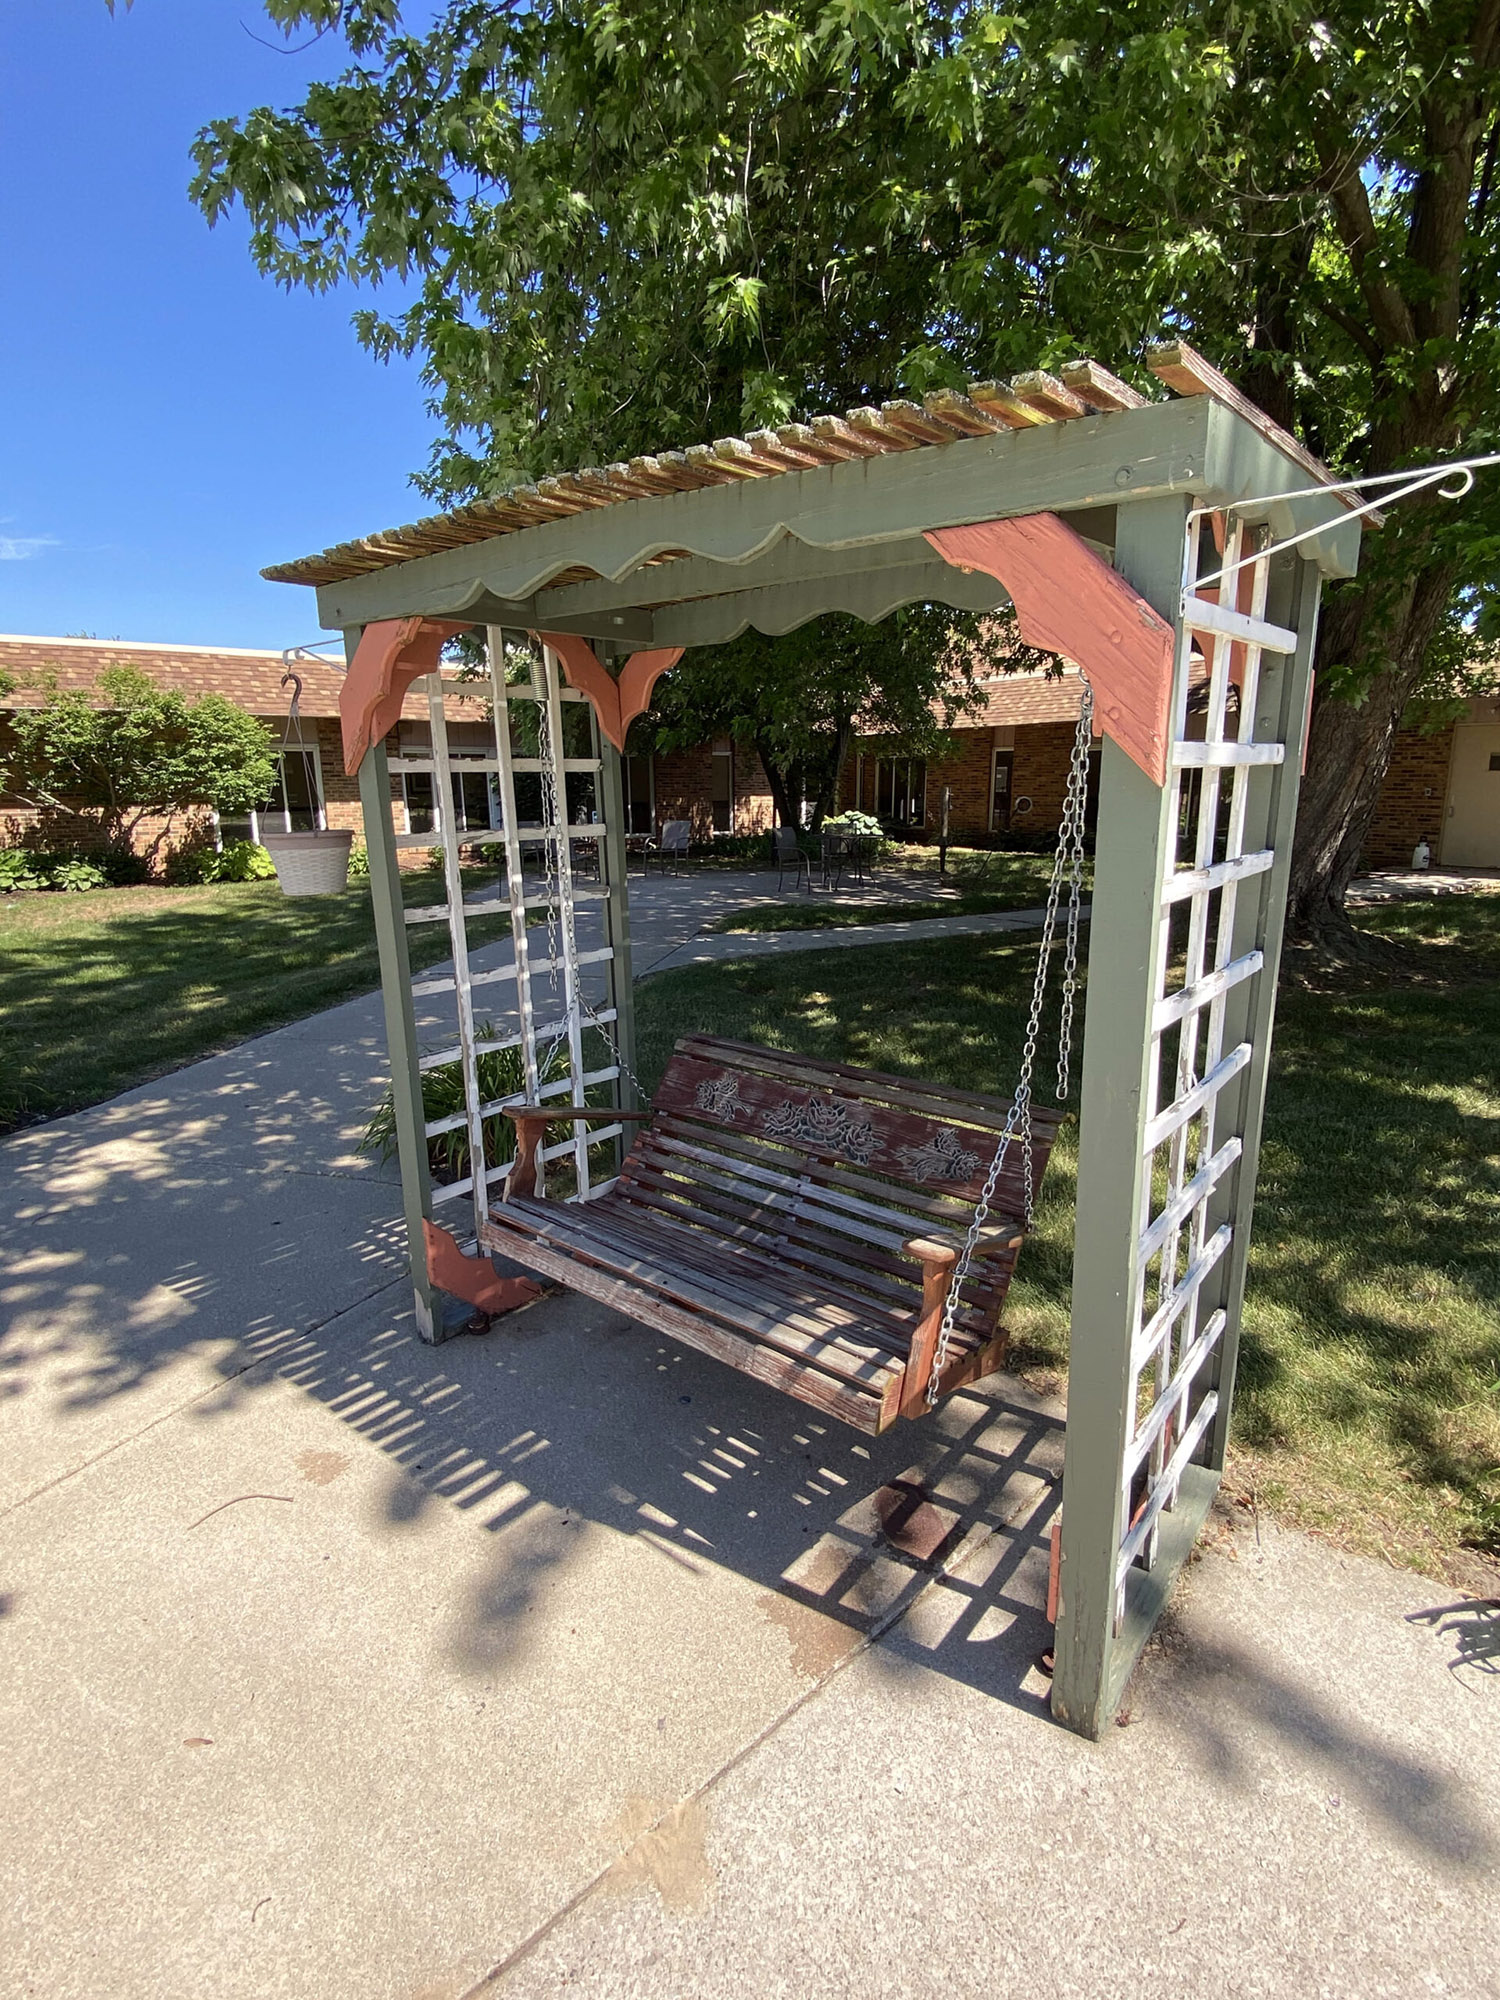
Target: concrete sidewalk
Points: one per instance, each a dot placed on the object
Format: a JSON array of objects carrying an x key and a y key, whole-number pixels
[{"x": 563, "y": 1658}]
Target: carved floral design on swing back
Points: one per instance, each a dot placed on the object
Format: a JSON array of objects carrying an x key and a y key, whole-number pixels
[
  {"x": 943, "y": 1158},
  {"x": 720, "y": 1096},
  {"x": 826, "y": 1125}
]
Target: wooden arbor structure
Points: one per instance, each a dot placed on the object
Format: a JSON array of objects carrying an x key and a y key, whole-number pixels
[{"x": 1175, "y": 550}]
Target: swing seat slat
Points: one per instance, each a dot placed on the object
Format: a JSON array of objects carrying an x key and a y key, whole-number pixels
[{"x": 797, "y": 1219}]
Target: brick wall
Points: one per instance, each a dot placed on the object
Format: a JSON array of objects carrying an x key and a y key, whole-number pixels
[
  {"x": 23, "y": 825},
  {"x": 683, "y": 781},
  {"x": 1040, "y": 753},
  {"x": 1412, "y": 800},
  {"x": 341, "y": 792}
]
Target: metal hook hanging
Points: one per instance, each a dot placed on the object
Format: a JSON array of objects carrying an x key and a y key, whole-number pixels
[
  {"x": 294, "y": 709},
  {"x": 1415, "y": 479}
]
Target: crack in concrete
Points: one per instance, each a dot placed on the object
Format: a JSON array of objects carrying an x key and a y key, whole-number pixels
[{"x": 271, "y": 1362}]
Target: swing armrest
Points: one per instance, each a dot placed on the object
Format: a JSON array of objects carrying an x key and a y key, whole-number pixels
[
  {"x": 547, "y": 1114},
  {"x": 937, "y": 1256},
  {"x": 531, "y": 1122}
]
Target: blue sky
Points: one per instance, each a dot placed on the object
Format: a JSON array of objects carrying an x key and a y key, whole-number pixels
[{"x": 169, "y": 420}]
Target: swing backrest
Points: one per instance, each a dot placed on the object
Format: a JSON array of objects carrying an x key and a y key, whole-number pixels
[{"x": 824, "y": 1162}]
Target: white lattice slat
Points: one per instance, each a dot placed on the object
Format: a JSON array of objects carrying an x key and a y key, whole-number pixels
[
  {"x": 1222, "y": 621},
  {"x": 1212, "y": 986},
  {"x": 1221, "y": 756},
  {"x": 1177, "y": 1113},
  {"x": 1203, "y": 881}
]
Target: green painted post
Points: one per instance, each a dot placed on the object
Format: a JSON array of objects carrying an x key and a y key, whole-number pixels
[
  {"x": 620, "y": 975},
  {"x": 400, "y": 1025},
  {"x": 1131, "y": 841},
  {"x": 1250, "y": 1010}
]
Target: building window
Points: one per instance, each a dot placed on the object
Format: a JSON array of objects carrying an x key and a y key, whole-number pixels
[
  {"x": 1001, "y": 785},
  {"x": 476, "y": 795},
  {"x": 294, "y": 803},
  {"x": 901, "y": 791},
  {"x": 721, "y": 785}
]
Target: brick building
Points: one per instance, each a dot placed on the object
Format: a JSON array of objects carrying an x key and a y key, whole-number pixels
[
  {"x": 311, "y": 788},
  {"x": 1442, "y": 787},
  {"x": 1004, "y": 768}
]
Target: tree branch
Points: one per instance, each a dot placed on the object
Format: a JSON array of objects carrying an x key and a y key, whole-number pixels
[
  {"x": 1356, "y": 329},
  {"x": 1356, "y": 226}
]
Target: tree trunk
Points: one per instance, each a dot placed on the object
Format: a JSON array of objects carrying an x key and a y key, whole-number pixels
[
  {"x": 786, "y": 787},
  {"x": 1349, "y": 749},
  {"x": 829, "y": 773}
]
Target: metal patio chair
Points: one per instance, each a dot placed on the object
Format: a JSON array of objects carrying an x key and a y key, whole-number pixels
[{"x": 786, "y": 851}]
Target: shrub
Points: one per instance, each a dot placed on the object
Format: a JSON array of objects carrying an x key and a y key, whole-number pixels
[
  {"x": 241, "y": 861},
  {"x": 19, "y": 870},
  {"x": 73, "y": 877},
  {"x": 854, "y": 822},
  {"x": 236, "y": 861},
  {"x": 186, "y": 866},
  {"x": 502, "y": 1073},
  {"x": 29, "y": 868},
  {"x": 121, "y": 867},
  {"x": 359, "y": 862}
]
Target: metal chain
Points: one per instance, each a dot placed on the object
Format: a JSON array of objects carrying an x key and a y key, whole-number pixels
[
  {"x": 556, "y": 823},
  {"x": 1067, "y": 866},
  {"x": 1075, "y": 813}
]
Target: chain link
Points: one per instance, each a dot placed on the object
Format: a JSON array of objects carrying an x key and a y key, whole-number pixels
[
  {"x": 1067, "y": 866},
  {"x": 555, "y": 822}
]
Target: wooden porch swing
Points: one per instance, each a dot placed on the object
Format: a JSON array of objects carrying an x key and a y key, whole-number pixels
[
  {"x": 844, "y": 1236},
  {"x": 801, "y": 1220},
  {"x": 847, "y": 1237}
]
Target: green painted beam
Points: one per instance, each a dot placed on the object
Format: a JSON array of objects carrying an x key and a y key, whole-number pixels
[
  {"x": 1123, "y": 458},
  {"x": 400, "y": 1023},
  {"x": 1130, "y": 846},
  {"x": 873, "y": 595}
]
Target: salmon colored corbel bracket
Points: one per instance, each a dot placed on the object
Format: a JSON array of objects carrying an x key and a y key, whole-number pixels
[
  {"x": 473, "y": 1279},
  {"x": 1068, "y": 601},
  {"x": 617, "y": 703},
  {"x": 391, "y": 654}
]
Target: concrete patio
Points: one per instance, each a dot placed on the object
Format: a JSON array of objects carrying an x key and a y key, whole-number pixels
[{"x": 564, "y": 1659}]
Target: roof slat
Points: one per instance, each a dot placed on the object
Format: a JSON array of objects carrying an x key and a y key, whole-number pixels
[
  {"x": 840, "y": 434},
  {"x": 1044, "y": 392},
  {"x": 871, "y": 424},
  {"x": 961, "y": 414},
  {"x": 997, "y": 400},
  {"x": 1098, "y": 388},
  {"x": 913, "y": 421}
]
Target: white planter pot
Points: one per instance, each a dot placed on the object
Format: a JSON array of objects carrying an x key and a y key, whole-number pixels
[{"x": 310, "y": 864}]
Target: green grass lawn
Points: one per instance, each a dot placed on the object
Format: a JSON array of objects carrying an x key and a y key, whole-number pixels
[
  {"x": 978, "y": 883},
  {"x": 1370, "y": 1391},
  {"x": 107, "y": 989},
  {"x": 1369, "y": 1405}
]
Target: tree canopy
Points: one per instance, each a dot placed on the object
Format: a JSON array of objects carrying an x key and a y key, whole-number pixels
[
  {"x": 619, "y": 227},
  {"x": 801, "y": 700},
  {"x": 131, "y": 750}
]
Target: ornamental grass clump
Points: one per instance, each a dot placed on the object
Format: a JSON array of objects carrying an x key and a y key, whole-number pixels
[{"x": 502, "y": 1074}]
